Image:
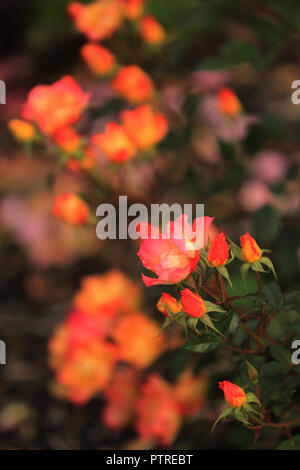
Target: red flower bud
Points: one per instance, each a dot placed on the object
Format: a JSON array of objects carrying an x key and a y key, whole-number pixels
[
  {"x": 234, "y": 395},
  {"x": 218, "y": 253},
  {"x": 192, "y": 303}
]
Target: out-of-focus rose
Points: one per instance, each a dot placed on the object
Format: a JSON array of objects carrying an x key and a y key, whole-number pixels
[
  {"x": 120, "y": 398},
  {"x": 86, "y": 163},
  {"x": 192, "y": 303},
  {"x": 71, "y": 208},
  {"x": 229, "y": 102},
  {"x": 98, "y": 20},
  {"x": 270, "y": 166},
  {"x": 133, "y": 8},
  {"x": 218, "y": 253},
  {"x": 158, "y": 412},
  {"x": 115, "y": 143},
  {"x": 174, "y": 254},
  {"x": 21, "y": 130},
  {"x": 54, "y": 106},
  {"x": 67, "y": 139},
  {"x": 253, "y": 195},
  {"x": 138, "y": 339},
  {"x": 87, "y": 370},
  {"x": 250, "y": 249},
  {"x": 144, "y": 126},
  {"x": 109, "y": 292},
  {"x": 151, "y": 30},
  {"x": 99, "y": 59},
  {"x": 234, "y": 395},
  {"x": 168, "y": 305},
  {"x": 133, "y": 84},
  {"x": 190, "y": 391}
]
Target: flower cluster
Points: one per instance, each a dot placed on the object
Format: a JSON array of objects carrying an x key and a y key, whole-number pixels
[
  {"x": 194, "y": 260},
  {"x": 104, "y": 345}
]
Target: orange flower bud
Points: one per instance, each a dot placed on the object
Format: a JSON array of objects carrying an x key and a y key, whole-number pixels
[
  {"x": 133, "y": 84},
  {"x": 151, "y": 30},
  {"x": 99, "y": 59},
  {"x": 218, "y": 253},
  {"x": 67, "y": 139},
  {"x": 71, "y": 209},
  {"x": 167, "y": 303},
  {"x": 192, "y": 303},
  {"x": 98, "y": 20},
  {"x": 145, "y": 127},
  {"x": 234, "y": 395},
  {"x": 133, "y": 8},
  {"x": 115, "y": 143},
  {"x": 250, "y": 249},
  {"x": 21, "y": 130},
  {"x": 229, "y": 102}
]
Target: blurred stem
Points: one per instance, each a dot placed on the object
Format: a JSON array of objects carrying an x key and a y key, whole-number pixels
[{"x": 258, "y": 281}]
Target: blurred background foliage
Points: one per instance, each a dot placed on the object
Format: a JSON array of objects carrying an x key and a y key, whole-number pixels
[{"x": 257, "y": 43}]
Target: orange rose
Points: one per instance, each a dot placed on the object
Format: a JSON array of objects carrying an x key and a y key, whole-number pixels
[
  {"x": 55, "y": 106},
  {"x": 87, "y": 370},
  {"x": 145, "y": 127},
  {"x": 192, "y": 303},
  {"x": 111, "y": 293},
  {"x": 218, "y": 253},
  {"x": 229, "y": 102},
  {"x": 98, "y": 20},
  {"x": 168, "y": 304},
  {"x": 67, "y": 139},
  {"x": 138, "y": 339},
  {"x": 133, "y": 84},
  {"x": 115, "y": 143},
  {"x": 99, "y": 59},
  {"x": 250, "y": 249},
  {"x": 71, "y": 209},
  {"x": 21, "y": 130},
  {"x": 133, "y": 8},
  {"x": 234, "y": 395},
  {"x": 151, "y": 30}
]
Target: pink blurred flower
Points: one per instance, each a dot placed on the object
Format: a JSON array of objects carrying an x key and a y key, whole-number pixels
[
  {"x": 227, "y": 128},
  {"x": 270, "y": 166},
  {"x": 253, "y": 195}
]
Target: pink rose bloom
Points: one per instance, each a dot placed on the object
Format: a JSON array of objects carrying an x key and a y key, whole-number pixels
[
  {"x": 253, "y": 195},
  {"x": 173, "y": 254},
  {"x": 270, "y": 166}
]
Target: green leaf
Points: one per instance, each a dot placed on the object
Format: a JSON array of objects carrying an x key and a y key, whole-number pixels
[
  {"x": 211, "y": 307},
  {"x": 223, "y": 271},
  {"x": 272, "y": 368},
  {"x": 232, "y": 53},
  {"x": 208, "y": 322},
  {"x": 273, "y": 295},
  {"x": 281, "y": 354},
  {"x": 256, "y": 266},
  {"x": 267, "y": 224},
  {"x": 244, "y": 269},
  {"x": 290, "y": 444},
  {"x": 236, "y": 250},
  {"x": 267, "y": 262},
  {"x": 226, "y": 412},
  {"x": 252, "y": 398},
  {"x": 202, "y": 344}
]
